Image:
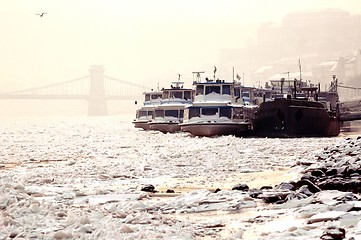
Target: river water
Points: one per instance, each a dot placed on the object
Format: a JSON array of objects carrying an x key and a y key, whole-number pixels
[{"x": 107, "y": 154}]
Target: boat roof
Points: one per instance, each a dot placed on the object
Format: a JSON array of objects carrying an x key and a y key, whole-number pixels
[{"x": 212, "y": 82}]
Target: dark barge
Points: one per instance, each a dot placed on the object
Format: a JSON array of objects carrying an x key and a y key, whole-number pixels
[{"x": 299, "y": 111}]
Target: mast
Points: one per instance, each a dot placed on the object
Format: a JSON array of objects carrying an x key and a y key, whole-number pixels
[
  {"x": 299, "y": 66},
  {"x": 198, "y": 76},
  {"x": 233, "y": 74}
]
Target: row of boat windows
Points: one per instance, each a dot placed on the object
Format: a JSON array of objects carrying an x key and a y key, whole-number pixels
[
  {"x": 144, "y": 113},
  {"x": 162, "y": 113},
  {"x": 186, "y": 94},
  {"x": 169, "y": 113},
  {"x": 204, "y": 90},
  {"x": 207, "y": 89},
  {"x": 153, "y": 96},
  {"x": 229, "y": 112}
]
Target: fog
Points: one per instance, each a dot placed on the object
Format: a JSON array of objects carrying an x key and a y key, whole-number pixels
[{"x": 143, "y": 42}]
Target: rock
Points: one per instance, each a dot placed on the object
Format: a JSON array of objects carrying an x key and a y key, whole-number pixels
[
  {"x": 310, "y": 185},
  {"x": 274, "y": 197},
  {"x": 13, "y": 234},
  {"x": 171, "y": 191},
  {"x": 241, "y": 187},
  {"x": 254, "y": 193},
  {"x": 318, "y": 173},
  {"x": 305, "y": 191},
  {"x": 217, "y": 190},
  {"x": 148, "y": 188},
  {"x": 334, "y": 233},
  {"x": 285, "y": 186},
  {"x": 347, "y": 197}
]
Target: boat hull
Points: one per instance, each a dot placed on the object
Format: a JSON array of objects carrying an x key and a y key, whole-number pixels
[
  {"x": 295, "y": 118},
  {"x": 141, "y": 124},
  {"x": 164, "y": 127},
  {"x": 206, "y": 129}
]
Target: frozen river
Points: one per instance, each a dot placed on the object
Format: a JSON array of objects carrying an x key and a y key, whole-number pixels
[{"x": 72, "y": 170}]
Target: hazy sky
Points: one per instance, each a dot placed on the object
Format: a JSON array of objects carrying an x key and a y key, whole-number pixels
[{"x": 143, "y": 41}]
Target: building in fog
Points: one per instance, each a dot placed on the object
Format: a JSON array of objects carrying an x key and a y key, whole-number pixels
[
  {"x": 327, "y": 33},
  {"x": 317, "y": 38}
]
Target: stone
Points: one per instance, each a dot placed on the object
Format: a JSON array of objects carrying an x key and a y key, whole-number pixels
[
  {"x": 334, "y": 233},
  {"x": 310, "y": 185},
  {"x": 241, "y": 187},
  {"x": 148, "y": 188},
  {"x": 285, "y": 186}
]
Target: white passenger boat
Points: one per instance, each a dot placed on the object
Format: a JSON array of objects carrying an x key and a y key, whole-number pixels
[
  {"x": 217, "y": 109},
  {"x": 145, "y": 113},
  {"x": 169, "y": 113}
]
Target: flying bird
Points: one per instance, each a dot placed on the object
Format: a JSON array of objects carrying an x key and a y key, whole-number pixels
[{"x": 41, "y": 14}]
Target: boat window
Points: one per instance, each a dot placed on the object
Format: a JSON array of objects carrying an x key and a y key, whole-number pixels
[
  {"x": 156, "y": 96},
  {"x": 165, "y": 94},
  {"x": 199, "y": 90},
  {"x": 176, "y": 94},
  {"x": 187, "y": 95},
  {"x": 237, "y": 113},
  {"x": 142, "y": 113},
  {"x": 181, "y": 113},
  {"x": 226, "y": 89},
  {"x": 150, "y": 113},
  {"x": 147, "y": 97},
  {"x": 215, "y": 89},
  {"x": 171, "y": 113},
  {"x": 159, "y": 113},
  {"x": 209, "y": 111},
  {"x": 194, "y": 112},
  {"x": 245, "y": 94},
  {"x": 225, "y": 112}
]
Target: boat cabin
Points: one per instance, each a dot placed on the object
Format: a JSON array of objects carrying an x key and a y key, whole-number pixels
[
  {"x": 161, "y": 113},
  {"x": 152, "y": 97},
  {"x": 144, "y": 113},
  {"x": 176, "y": 93},
  {"x": 214, "y": 112},
  {"x": 218, "y": 90}
]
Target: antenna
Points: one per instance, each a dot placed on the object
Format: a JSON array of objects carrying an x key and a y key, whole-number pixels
[
  {"x": 179, "y": 83},
  {"x": 198, "y": 76},
  {"x": 288, "y": 75},
  {"x": 299, "y": 65}
]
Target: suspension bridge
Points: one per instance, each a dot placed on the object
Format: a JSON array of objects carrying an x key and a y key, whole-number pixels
[{"x": 95, "y": 88}]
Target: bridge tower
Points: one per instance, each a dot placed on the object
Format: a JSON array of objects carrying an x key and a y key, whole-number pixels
[{"x": 97, "y": 103}]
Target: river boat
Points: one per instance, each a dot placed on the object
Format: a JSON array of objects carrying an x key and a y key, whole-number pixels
[
  {"x": 298, "y": 110},
  {"x": 217, "y": 109},
  {"x": 145, "y": 113},
  {"x": 170, "y": 112}
]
